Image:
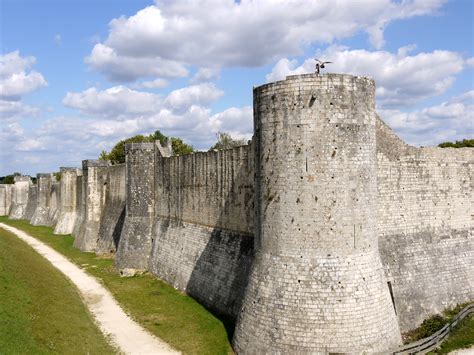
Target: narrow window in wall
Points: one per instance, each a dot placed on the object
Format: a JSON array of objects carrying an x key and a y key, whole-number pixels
[{"x": 391, "y": 295}]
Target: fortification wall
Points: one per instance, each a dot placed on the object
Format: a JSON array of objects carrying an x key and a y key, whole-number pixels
[
  {"x": 45, "y": 213},
  {"x": 67, "y": 211},
  {"x": 6, "y": 195},
  {"x": 202, "y": 236},
  {"x": 94, "y": 179},
  {"x": 80, "y": 200},
  {"x": 113, "y": 215},
  {"x": 32, "y": 202},
  {"x": 425, "y": 227},
  {"x": 20, "y": 197}
]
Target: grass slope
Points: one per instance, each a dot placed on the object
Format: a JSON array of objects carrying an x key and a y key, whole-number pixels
[
  {"x": 461, "y": 337},
  {"x": 174, "y": 317},
  {"x": 41, "y": 312}
]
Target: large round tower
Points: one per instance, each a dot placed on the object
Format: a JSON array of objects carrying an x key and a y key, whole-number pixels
[{"x": 317, "y": 283}]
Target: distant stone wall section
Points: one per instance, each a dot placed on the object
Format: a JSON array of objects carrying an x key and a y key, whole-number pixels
[
  {"x": 20, "y": 197},
  {"x": 68, "y": 202},
  {"x": 6, "y": 195},
  {"x": 425, "y": 225},
  {"x": 113, "y": 215}
]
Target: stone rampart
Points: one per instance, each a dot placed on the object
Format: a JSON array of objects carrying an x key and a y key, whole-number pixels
[
  {"x": 68, "y": 202},
  {"x": 46, "y": 201},
  {"x": 21, "y": 189},
  {"x": 113, "y": 215},
  {"x": 425, "y": 225},
  {"x": 203, "y": 242},
  {"x": 6, "y": 195},
  {"x": 94, "y": 178},
  {"x": 327, "y": 234},
  {"x": 135, "y": 245}
]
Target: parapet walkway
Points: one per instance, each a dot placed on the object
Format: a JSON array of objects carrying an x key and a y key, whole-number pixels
[{"x": 121, "y": 330}]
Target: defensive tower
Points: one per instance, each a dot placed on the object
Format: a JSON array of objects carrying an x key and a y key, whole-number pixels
[{"x": 317, "y": 283}]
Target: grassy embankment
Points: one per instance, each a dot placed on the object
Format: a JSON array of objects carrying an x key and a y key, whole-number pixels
[
  {"x": 174, "y": 317},
  {"x": 461, "y": 337},
  {"x": 41, "y": 312}
]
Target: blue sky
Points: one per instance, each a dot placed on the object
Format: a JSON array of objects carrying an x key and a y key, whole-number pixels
[{"x": 77, "y": 76}]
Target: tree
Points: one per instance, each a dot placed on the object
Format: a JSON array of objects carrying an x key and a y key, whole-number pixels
[
  {"x": 179, "y": 147},
  {"x": 117, "y": 154},
  {"x": 10, "y": 179},
  {"x": 225, "y": 141},
  {"x": 465, "y": 143}
]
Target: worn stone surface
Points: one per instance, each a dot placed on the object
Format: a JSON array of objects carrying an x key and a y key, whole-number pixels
[
  {"x": 425, "y": 225},
  {"x": 21, "y": 189},
  {"x": 68, "y": 202},
  {"x": 46, "y": 201},
  {"x": 135, "y": 245},
  {"x": 32, "y": 202},
  {"x": 6, "y": 195},
  {"x": 94, "y": 178},
  {"x": 203, "y": 242},
  {"x": 317, "y": 282},
  {"x": 113, "y": 215},
  {"x": 81, "y": 205}
]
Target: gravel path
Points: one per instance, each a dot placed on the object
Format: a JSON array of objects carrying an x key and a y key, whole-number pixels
[{"x": 120, "y": 329}]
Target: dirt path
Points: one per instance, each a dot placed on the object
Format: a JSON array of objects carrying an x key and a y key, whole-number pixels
[{"x": 123, "y": 332}]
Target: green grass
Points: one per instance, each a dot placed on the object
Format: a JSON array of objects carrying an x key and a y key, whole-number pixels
[
  {"x": 174, "y": 317},
  {"x": 461, "y": 337},
  {"x": 41, "y": 312},
  {"x": 432, "y": 324}
]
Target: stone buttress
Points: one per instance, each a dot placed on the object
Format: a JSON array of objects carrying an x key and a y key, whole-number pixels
[
  {"x": 20, "y": 197},
  {"x": 94, "y": 176},
  {"x": 317, "y": 284},
  {"x": 68, "y": 203},
  {"x": 135, "y": 245}
]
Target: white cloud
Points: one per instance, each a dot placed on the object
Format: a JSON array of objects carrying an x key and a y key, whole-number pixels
[
  {"x": 117, "y": 102},
  {"x": 129, "y": 68},
  {"x": 14, "y": 80},
  {"x": 58, "y": 40},
  {"x": 11, "y": 110},
  {"x": 449, "y": 121},
  {"x": 224, "y": 33},
  {"x": 201, "y": 94},
  {"x": 153, "y": 84},
  {"x": 401, "y": 79},
  {"x": 205, "y": 74}
]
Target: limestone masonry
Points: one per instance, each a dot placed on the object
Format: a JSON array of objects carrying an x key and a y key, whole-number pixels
[{"x": 326, "y": 234}]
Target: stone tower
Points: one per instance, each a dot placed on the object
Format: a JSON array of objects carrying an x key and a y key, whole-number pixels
[{"x": 317, "y": 283}]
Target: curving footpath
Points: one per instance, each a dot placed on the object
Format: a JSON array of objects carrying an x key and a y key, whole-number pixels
[{"x": 120, "y": 329}]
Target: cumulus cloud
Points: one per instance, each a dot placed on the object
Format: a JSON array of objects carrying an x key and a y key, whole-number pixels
[
  {"x": 11, "y": 110},
  {"x": 225, "y": 33},
  {"x": 128, "y": 68},
  {"x": 402, "y": 79},
  {"x": 15, "y": 81},
  {"x": 201, "y": 95},
  {"x": 116, "y": 102},
  {"x": 449, "y": 121},
  {"x": 120, "y": 112},
  {"x": 152, "y": 84}
]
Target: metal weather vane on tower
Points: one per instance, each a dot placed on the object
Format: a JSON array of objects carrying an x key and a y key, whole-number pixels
[{"x": 320, "y": 64}]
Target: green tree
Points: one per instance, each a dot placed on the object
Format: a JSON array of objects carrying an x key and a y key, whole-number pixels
[
  {"x": 225, "y": 141},
  {"x": 179, "y": 147},
  {"x": 10, "y": 179},
  {"x": 117, "y": 154},
  {"x": 465, "y": 143}
]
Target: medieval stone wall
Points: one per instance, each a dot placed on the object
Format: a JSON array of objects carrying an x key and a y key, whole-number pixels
[
  {"x": 425, "y": 225},
  {"x": 327, "y": 234}
]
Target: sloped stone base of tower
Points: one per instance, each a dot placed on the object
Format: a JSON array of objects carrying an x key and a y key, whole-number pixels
[{"x": 321, "y": 304}]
